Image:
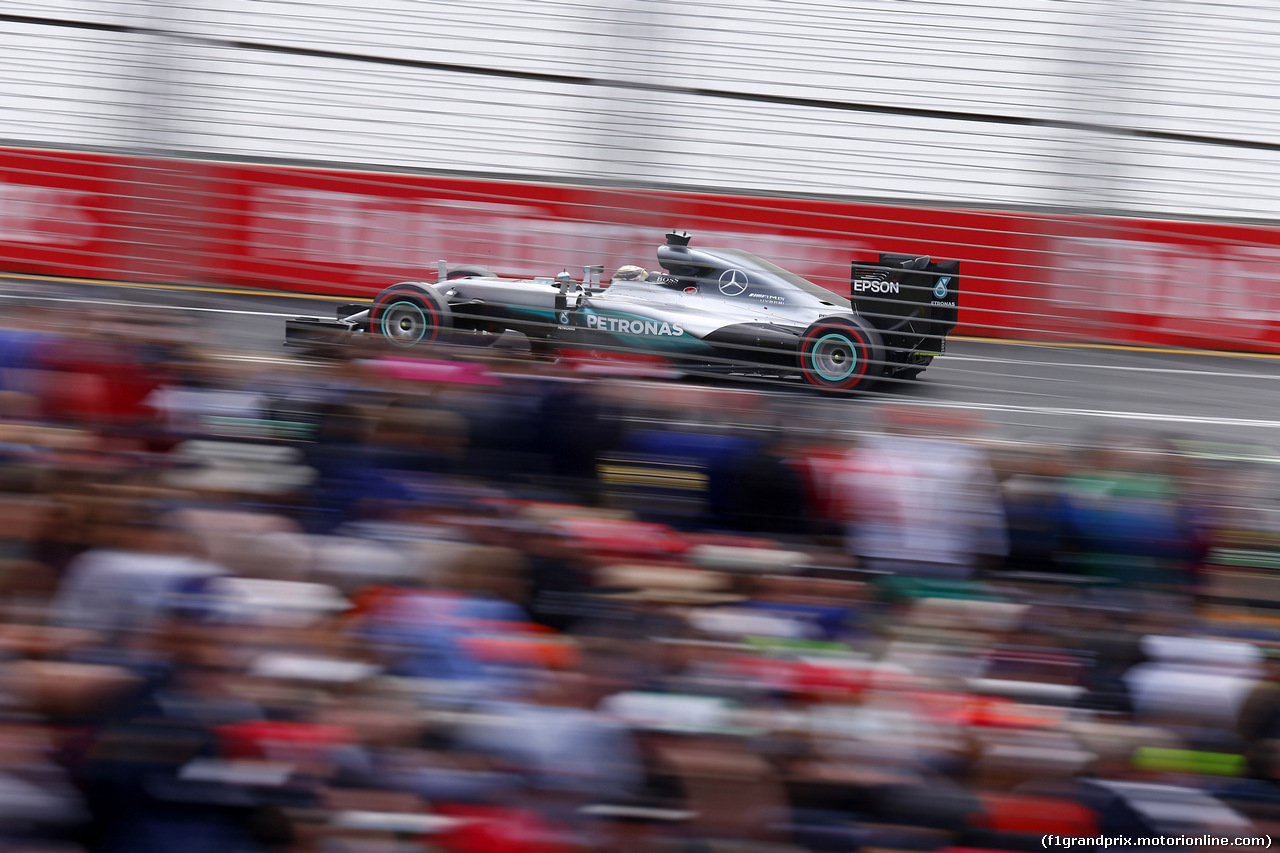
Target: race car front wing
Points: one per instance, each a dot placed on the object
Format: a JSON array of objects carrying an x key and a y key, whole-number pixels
[{"x": 309, "y": 331}]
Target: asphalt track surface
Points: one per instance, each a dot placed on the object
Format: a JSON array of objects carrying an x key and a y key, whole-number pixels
[{"x": 1060, "y": 394}]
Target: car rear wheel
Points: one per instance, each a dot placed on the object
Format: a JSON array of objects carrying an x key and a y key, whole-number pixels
[
  {"x": 841, "y": 354},
  {"x": 407, "y": 315}
]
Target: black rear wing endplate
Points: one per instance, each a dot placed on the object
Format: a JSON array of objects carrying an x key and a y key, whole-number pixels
[{"x": 911, "y": 295}]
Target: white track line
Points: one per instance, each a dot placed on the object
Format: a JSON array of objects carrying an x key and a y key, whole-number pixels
[
  {"x": 144, "y": 305},
  {"x": 263, "y": 359},
  {"x": 950, "y": 359},
  {"x": 1200, "y": 420}
]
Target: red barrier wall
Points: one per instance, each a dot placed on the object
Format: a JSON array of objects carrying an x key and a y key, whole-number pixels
[{"x": 349, "y": 232}]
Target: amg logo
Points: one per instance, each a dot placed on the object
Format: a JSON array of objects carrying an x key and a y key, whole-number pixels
[
  {"x": 634, "y": 327},
  {"x": 874, "y": 285}
]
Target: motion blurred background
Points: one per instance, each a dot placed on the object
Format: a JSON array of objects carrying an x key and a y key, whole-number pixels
[
  {"x": 1097, "y": 165},
  {"x": 259, "y": 600}
]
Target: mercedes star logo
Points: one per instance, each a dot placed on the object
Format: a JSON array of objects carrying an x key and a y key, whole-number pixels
[{"x": 733, "y": 282}]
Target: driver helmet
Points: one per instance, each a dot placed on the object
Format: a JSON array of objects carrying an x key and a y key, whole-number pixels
[{"x": 631, "y": 272}]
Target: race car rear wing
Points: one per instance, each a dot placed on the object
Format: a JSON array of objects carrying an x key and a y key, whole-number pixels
[{"x": 911, "y": 297}]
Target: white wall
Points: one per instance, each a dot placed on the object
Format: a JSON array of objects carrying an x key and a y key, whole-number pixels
[{"x": 1177, "y": 66}]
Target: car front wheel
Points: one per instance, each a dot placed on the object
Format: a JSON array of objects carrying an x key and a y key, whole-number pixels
[{"x": 407, "y": 315}]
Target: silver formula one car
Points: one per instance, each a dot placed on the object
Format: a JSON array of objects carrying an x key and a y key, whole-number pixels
[{"x": 714, "y": 311}]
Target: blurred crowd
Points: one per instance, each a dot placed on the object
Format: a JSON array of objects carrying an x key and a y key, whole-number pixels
[{"x": 457, "y": 602}]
